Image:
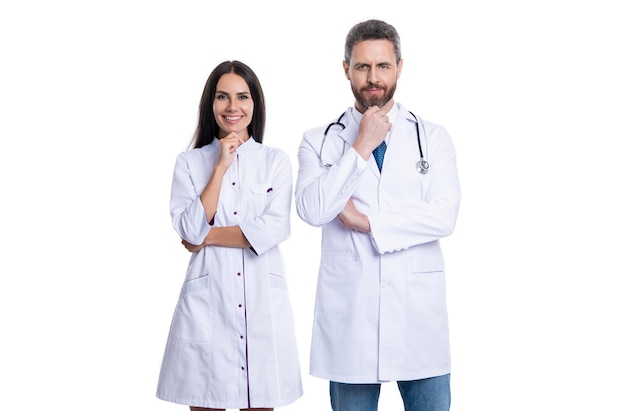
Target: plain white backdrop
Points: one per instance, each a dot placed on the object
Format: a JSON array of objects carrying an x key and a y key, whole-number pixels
[{"x": 98, "y": 98}]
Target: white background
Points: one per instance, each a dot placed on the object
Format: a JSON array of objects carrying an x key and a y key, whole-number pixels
[{"x": 98, "y": 98}]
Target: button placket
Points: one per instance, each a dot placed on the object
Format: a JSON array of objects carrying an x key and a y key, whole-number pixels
[{"x": 241, "y": 336}]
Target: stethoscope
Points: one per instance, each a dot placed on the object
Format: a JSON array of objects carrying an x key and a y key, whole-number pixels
[{"x": 422, "y": 165}]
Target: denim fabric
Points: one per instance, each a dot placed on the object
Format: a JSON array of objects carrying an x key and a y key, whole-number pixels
[{"x": 429, "y": 394}]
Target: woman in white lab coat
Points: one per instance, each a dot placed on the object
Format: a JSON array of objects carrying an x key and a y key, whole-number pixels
[{"x": 232, "y": 339}]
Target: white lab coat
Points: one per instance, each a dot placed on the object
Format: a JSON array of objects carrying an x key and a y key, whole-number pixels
[
  {"x": 380, "y": 311},
  {"x": 232, "y": 338}
]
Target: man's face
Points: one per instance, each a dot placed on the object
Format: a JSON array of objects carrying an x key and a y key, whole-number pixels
[{"x": 373, "y": 73}]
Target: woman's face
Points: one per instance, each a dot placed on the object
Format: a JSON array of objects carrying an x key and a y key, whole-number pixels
[{"x": 233, "y": 106}]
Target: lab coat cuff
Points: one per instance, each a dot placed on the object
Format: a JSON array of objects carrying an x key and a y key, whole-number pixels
[
  {"x": 360, "y": 162},
  {"x": 256, "y": 236},
  {"x": 373, "y": 230},
  {"x": 195, "y": 226},
  {"x": 381, "y": 240}
]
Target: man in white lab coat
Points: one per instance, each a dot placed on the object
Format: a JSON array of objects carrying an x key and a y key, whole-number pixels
[{"x": 380, "y": 311}]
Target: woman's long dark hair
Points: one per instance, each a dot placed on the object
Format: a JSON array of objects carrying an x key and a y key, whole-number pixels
[{"x": 207, "y": 128}]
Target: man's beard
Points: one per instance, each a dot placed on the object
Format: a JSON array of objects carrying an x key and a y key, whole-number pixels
[{"x": 374, "y": 101}]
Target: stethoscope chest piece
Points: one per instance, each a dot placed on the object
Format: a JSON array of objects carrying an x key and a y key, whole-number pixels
[{"x": 422, "y": 166}]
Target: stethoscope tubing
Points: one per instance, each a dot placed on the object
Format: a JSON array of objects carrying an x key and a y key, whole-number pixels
[{"x": 422, "y": 165}]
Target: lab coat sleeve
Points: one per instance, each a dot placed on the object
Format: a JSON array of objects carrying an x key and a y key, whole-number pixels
[
  {"x": 270, "y": 228},
  {"x": 186, "y": 209},
  {"x": 323, "y": 192},
  {"x": 413, "y": 222}
]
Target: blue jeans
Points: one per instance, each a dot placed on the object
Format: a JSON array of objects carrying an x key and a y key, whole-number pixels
[{"x": 429, "y": 394}]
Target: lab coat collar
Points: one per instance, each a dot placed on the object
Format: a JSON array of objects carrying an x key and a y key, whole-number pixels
[{"x": 248, "y": 145}]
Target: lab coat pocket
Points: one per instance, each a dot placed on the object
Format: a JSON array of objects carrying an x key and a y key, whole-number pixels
[
  {"x": 278, "y": 281},
  {"x": 256, "y": 196},
  {"x": 426, "y": 262},
  {"x": 192, "y": 320},
  {"x": 281, "y": 306},
  {"x": 426, "y": 284},
  {"x": 340, "y": 278}
]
